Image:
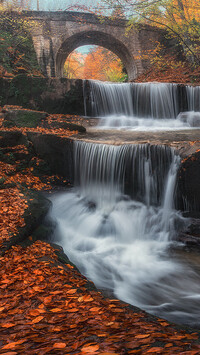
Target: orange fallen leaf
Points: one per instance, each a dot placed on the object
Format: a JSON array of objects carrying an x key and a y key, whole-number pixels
[
  {"x": 37, "y": 289},
  {"x": 164, "y": 324},
  {"x": 154, "y": 350},
  {"x": 7, "y": 325},
  {"x": 59, "y": 345},
  {"x": 72, "y": 310},
  {"x": 142, "y": 336},
  {"x": 55, "y": 310},
  {"x": 34, "y": 312},
  {"x": 168, "y": 345},
  {"x": 85, "y": 298},
  {"x": 70, "y": 266},
  {"x": 12, "y": 345},
  {"x": 72, "y": 291},
  {"x": 37, "y": 319},
  {"x": 95, "y": 309},
  {"x": 47, "y": 299},
  {"x": 90, "y": 349}
]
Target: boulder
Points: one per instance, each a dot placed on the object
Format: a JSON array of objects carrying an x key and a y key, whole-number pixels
[
  {"x": 11, "y": 139},
  {"x": 56, "y": 151},
  {"x": 23, "y": 118}
]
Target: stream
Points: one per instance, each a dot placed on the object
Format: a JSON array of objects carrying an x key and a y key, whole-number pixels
[{"x": 123, "y": 238}]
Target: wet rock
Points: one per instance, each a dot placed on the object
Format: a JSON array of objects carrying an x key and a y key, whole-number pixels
[
  {"x": 11, "y": 139},
  {"x": 189, "y": 185},
  {"x": 192, "y": 118},
  {"x": 69, "y": 126},
  {"x": 45, "y": 94},
  {"x": 56, "y": 151},
  {"x": 194, "y": 228},
  {"x": 23, "y": 118}
]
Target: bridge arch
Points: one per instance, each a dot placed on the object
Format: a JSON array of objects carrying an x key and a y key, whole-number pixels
[{"x": 100, "y": 39}]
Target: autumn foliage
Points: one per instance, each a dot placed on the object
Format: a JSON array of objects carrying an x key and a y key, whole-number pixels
[
  {"x": 47, "y": 308},
  {"x": 167, "y": 67},
  {"x": 98, "y": 64}
]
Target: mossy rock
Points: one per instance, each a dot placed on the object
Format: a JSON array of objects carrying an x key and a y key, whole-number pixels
[
  {"x": 8, "y": 124},
  {"x": 23, "y": 118},
  {"x": 69, "y": 126}
]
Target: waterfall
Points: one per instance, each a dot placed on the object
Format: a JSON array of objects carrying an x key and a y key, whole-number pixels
[
  {"x": 123, "y": 241},
  {"x": 193, "y": 97},
  {"x": 155, "y": 100},
  {"x": 107, "y": 98},
  {"x": 102, "y": 171},
  {"x": 142, "y": 106},
  {"x": 149, "y": 100},
  {"x": 107, "y": 169}
]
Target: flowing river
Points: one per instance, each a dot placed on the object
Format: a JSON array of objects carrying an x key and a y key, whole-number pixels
[{"x": 119, "y": 223}]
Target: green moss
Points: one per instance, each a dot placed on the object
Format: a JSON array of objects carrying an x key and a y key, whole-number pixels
[
  {"x": 28, "y": 119},
  {"x": 23, "y": 118},
  {"x": 8, "y": 124}
]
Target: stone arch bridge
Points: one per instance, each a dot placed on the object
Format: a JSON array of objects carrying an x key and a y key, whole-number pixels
[{"x": 56, "y": 34}]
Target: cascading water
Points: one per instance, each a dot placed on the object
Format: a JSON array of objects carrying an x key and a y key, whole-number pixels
[
  {"x": 138, "y": 106},
  {"x": 193, "y": 97},
  {"x": 122, "y": 243},
  {"x": 106, "y": 99}
]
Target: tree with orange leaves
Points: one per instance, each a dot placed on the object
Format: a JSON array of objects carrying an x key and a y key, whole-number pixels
[
  {"x": 74, "y": 66},
  {"x": 99, "y": 64},
  {"x": 181, "y": 18}
]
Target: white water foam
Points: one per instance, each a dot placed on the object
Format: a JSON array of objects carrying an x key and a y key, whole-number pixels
[{"x": 123, "y": 244}]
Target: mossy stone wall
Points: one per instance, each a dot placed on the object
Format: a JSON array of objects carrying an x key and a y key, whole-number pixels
[{"x": 44, "y": 94}]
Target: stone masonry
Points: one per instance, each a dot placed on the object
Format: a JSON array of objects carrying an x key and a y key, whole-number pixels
[{"x": 56, "y": 34}]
